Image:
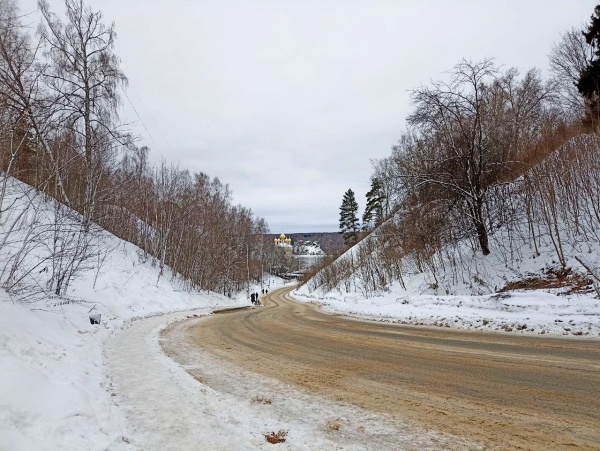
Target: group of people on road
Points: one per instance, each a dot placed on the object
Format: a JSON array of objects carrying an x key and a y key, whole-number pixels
[{"x": 254, "y": 297}]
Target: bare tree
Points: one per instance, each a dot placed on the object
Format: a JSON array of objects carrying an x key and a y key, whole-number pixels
[
  {"x": 83, "y": 75},
  {"x": 24, "y": 99},
  {"x": 568, "y": 59},
  {"x": 469, "y": 132},
  {"x": 58, "y": 121}
]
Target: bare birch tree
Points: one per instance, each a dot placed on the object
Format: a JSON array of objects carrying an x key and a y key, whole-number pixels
[
  {"x": 26, "y": 99},
  {"x": 83, "y": 76}
]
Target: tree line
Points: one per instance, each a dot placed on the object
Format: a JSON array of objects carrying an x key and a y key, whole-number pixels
[
  {"x": 61, "y": 134},
  {"x": 375, "y": 211},
  {"x": 486, "y": 151}
]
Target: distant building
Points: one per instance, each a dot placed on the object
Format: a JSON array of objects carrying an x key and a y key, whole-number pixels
[
  {"x": 284, "y": 243},
  {"x": 332, "y": 243}
]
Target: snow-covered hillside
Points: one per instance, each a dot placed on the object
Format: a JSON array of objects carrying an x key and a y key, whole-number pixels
[
  {"x": 463, "y": 291},
  {"x": 308, "y": 248},
  {"x": 54, "y": 393},
  {"x": 543, "y": 238}
]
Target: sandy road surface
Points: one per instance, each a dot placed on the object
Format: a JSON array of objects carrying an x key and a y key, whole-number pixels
[{"x": 507, "y": 391}]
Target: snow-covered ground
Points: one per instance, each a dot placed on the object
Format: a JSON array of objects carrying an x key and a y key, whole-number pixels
[
  {"x": 54, "y": 391},
  {"x": 514, "y": 312},
  {"x": 469, "y": 294},
  {"x": 71, "y": 385}
]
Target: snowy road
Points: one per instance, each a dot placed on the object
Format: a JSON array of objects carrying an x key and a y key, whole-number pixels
[
  {"x": 169, "y": 409},
  {"x": 506, "y": 391}
]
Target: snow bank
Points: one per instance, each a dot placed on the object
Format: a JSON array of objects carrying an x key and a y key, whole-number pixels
[
  {"x": 53, "y": 390},
  {"x": 515, "y": 312}
]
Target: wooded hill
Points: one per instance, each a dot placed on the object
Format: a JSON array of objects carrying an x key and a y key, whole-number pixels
[
  {"x": 61, "y": 134},
  {"x": 494, "y": 167}
]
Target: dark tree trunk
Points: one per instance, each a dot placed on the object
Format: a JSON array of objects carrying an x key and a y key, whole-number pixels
[
  {"x": 482, "y": 233},
  {"x": 483, "y": 239}
]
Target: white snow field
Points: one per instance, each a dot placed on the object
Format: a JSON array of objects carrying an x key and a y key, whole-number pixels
[
  {"x": 54, "y": 390},
  {"x": 70, "y": 385}
]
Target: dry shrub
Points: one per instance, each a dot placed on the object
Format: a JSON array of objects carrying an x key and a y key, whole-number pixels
[
  {"x": 262, "y": 400},
  {"x": 562, "y": 194},
  {"x": 553, "y": 135},
  {"x": 276, "y": 437}
]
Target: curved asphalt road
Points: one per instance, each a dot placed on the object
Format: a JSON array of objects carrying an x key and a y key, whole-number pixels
[{"x": 507, "y": 391}]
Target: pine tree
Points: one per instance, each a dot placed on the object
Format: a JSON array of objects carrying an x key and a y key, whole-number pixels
[
  {"x": 373, "y": 215},
  {"x": 348, "y": 218},
  {"x": 589, "y": 79}
]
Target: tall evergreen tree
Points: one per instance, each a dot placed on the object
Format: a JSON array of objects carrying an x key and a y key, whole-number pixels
[
  {"x": 373, "y": 215},
  {"x": 348, "y": 218},
  {"x": 589, "y": 78}
]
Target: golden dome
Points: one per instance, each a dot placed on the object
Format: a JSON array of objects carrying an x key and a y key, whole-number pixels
[{"x": 282, "y": 236}]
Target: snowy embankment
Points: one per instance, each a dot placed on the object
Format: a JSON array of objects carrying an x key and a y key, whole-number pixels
[
  {"x": 54, "y": 393},
  {"x": 472, "y": 299},
  {"x": 516, "y": 312},
  {"x": 54, "y": 390}
]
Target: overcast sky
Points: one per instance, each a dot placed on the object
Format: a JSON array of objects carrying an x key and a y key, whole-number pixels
[{"x": 289, "y": 101}]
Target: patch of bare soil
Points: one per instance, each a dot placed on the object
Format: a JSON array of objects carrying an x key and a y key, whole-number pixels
[{"x": 553, "y": 278}]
